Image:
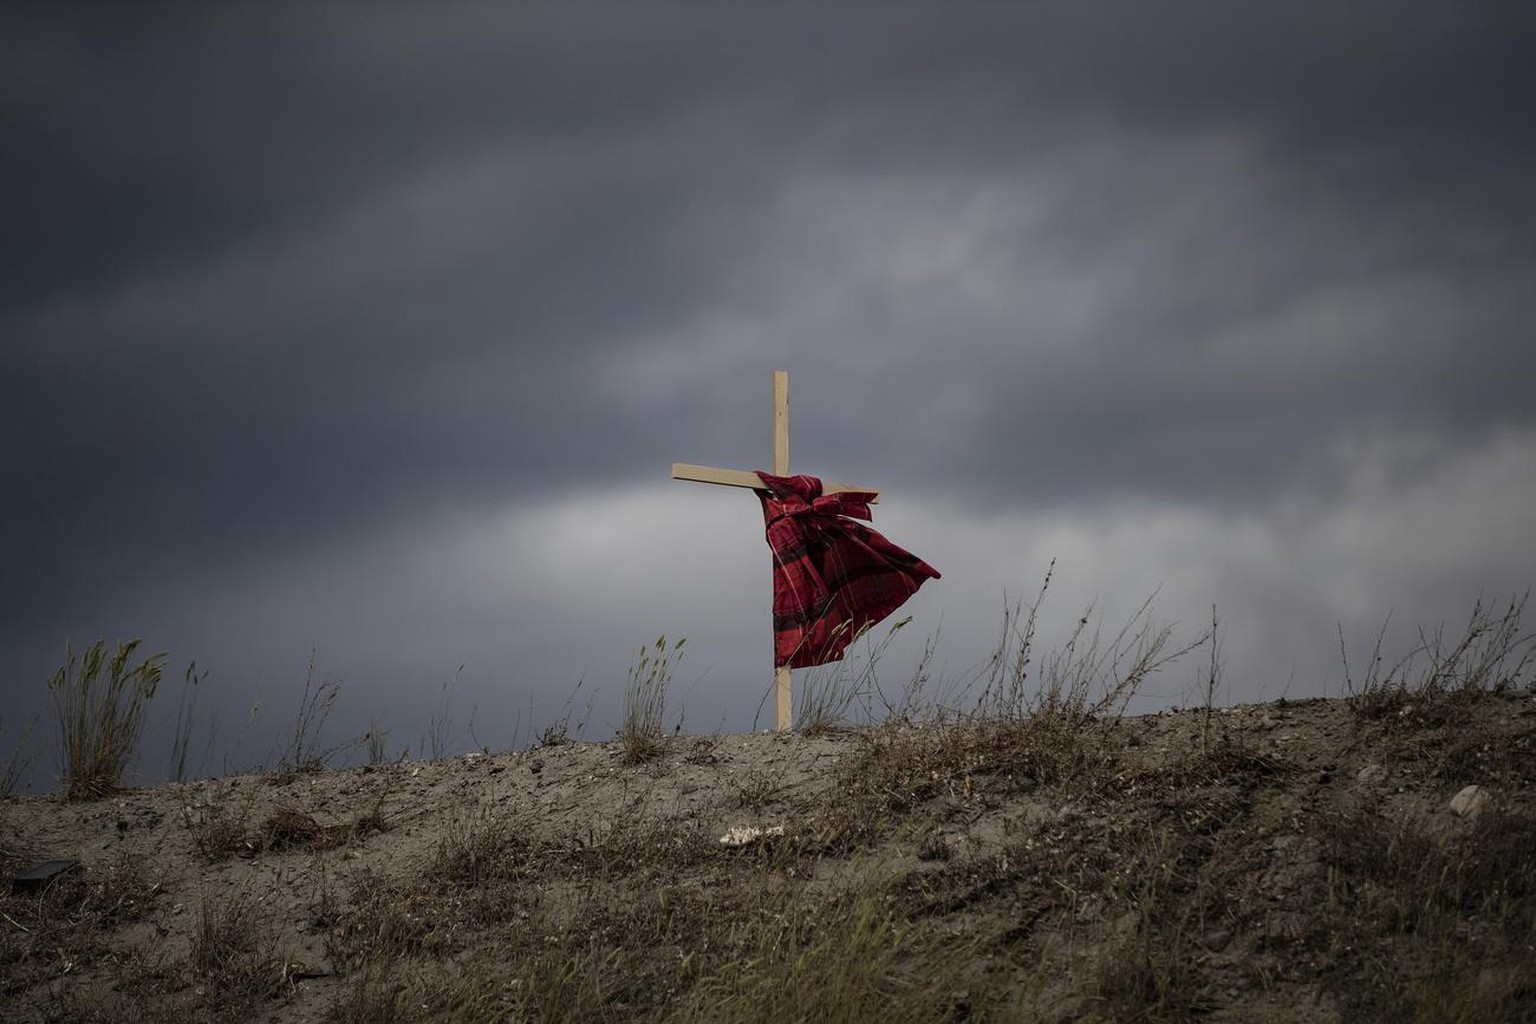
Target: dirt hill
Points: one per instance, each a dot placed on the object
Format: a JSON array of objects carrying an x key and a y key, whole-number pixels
[{"x": 1314, "y": 861}]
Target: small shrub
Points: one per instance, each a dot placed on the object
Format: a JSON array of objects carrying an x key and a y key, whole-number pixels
[
  {"x": 288, "y": 828},
  {"x": 218, "y": 822},
  {"x": 220, "y": 828},
  {"x": 1493, "y": 653},
  {"x": 756, "y": 789},
  {"x": 100, "y": 721},
  {"x": 236, "y": 957},
  {"x": 560, "y": 732},
  {"x": 478, "y": 848}
]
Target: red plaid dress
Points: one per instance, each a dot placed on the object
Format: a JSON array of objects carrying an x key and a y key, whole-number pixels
[{"x": 833, "y": 578}]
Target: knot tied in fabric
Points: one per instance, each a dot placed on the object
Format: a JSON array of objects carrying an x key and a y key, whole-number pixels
[
  {"x": 803, "y": 497},
  {"x": 833, "y": 577}
]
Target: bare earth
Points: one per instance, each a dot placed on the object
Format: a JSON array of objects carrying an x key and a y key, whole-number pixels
[{"x": 1285, "y": 862}]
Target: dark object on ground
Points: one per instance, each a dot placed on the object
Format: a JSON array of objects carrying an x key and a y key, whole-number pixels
[{"x": 40, "y": 875}]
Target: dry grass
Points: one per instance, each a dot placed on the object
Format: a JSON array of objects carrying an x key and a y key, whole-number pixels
[
  {"x": 1426, "y": 928},
  {"x": 67, "y": 926},
  {"x": 237, "y": 960},
  {"x": 1088, "y": 676},
  {"x": 829, "y": 694},
  {"x": 306, "y": 751},
  {"x": 100, "y": 719},
  {"x": 14, "y": 768},
  {"x": 643, "y": 733},
  {"x": 220, "y": 827},
  {"x": 843, "y": 960},
  {"x": 1426, "y": 684}
]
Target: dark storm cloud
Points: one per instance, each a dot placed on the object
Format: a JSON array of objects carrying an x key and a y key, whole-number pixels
[
  {"x": 166, "y": 138},
  {"x": 163, "y": 137},
  {"x": 166, "y": 141}
]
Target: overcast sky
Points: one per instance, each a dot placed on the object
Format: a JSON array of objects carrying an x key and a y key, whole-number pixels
[{"x": 377, "y": 332}]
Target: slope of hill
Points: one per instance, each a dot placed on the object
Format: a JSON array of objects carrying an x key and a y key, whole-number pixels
[{"x": 1314, "y": 861}]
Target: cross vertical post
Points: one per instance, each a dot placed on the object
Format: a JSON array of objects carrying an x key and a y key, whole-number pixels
[{"x": 782, "y": 718}]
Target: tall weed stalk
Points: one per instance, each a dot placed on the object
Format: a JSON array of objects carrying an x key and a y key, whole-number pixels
[
  {"x": 1493, "y": 652},
  {"x": 1086, "y": 677},
  {"x": 305, "y": 752},
  {"x": 560, "y": 731},
  {"x": 830, "y": 691},
  {"x": 18, "y": 761},
  {"x": 186, "y": 711},
  {"x": 440, "y": 728}
]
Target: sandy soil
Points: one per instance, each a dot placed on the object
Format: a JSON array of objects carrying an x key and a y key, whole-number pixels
[{"x": 129, "y": 933}]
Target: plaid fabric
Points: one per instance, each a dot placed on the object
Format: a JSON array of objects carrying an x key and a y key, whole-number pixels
[{"x": 833, "y": 578}]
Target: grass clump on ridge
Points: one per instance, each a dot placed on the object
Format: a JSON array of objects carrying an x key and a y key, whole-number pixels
[
  {"x": 100, "y": 720},
  {"x": 829, "y": 692},
  {"x": 1494, "y": 652},
  {"x": 643, "y": 733}
]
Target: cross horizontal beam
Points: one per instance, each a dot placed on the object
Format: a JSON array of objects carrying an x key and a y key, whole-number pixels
[{"x": 745, "y": 478}]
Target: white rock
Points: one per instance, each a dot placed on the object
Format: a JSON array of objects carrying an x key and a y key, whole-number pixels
[
  {"x": 1470, "y": 801},
  {"x": 741, "y": 835}
]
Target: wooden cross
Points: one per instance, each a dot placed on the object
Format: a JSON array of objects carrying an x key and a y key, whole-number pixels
[{"x": 745, "y": 478}]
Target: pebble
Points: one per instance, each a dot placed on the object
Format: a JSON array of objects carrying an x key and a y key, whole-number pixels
[
  {"x": 1216, "y": 940},
  {"x": 1470, "y": 802}
]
